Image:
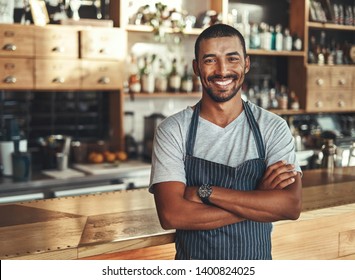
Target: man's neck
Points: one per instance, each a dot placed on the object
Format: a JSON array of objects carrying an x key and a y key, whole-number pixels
[{"x": 222, "y": 113}]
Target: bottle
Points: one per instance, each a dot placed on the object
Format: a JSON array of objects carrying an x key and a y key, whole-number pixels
[
  {"x": 296, "y": 42},
  {"x": 273, "y": 38},
  {"x": 328, "y": 151},
  {"x": 254, "y": 37},
  {"x": 273, "y": 102},
  {"x": 312, "y": 56},
  {"x": 148, "y": 82},
  {"x": 267, "y": 41},
  {"x": 161, "y": 80},
  {"x": 293, "y": 101},
  {"x": 246, "y": 28},
  {"x": 279, "y": 38},
  {"x": 283, "y": 98},
  {"x": 186, "y": 81},
  {"x": 134, "y": 84},
  {"x": 174, "y": 78},
  {"x": 264, "y": 95},
  {"x": 287, "y": 45},
  {"x": 351, "y": 161}
]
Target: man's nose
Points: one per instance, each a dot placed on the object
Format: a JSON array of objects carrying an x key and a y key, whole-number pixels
[{"x": 221, "y": 68}]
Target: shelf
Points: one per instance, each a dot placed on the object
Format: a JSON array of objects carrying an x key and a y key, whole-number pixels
[
  {"x": 165, "y": 95},
  {"x": 330, "y": 26},
  {"x": 149, "y": 29},
  {"x": 287, "y": 111},
  {"x": 275, "y": 53}
]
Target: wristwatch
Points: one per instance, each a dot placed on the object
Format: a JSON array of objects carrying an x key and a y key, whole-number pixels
[{"x": 204, "y": 192}]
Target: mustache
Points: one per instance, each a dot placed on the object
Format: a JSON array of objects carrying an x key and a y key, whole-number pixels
[{"x": 231, "y": 76}]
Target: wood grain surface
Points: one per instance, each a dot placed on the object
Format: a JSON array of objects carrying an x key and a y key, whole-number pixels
[{"x": 124, "y": 225}]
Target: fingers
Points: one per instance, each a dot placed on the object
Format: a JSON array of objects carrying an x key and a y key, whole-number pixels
[
  {"x": 278, "y": 175},
  {"x": 283, "y": 180}
]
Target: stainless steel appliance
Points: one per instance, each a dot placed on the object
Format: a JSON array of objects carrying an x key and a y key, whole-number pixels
[{"x": 55, "y": 151}]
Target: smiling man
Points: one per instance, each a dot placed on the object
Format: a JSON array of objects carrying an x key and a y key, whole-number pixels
[{"x": 224, "y": 169}]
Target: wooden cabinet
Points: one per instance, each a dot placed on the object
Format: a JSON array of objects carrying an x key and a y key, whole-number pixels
[
  {"x": 100, "y": 75},
  {"x": 57, "y": 57},
  {"x": 66, "y": 58},
  {"x": 102, "y": 43},
  {"x": 16, "y": 73},
  {"x": 57, "y": 74},
  {"x": 16, "y": 41},
  {"x": 320, "y": 87},
  {"x": 16, "y": 57},
  {"x": 57, "y": 42}
]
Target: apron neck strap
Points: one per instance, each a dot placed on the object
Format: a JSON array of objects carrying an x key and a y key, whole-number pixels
[
  {"x": 191, "y": 138},
  {"x": 193, "y": 130},
  {"x": 255, "y": 129}
]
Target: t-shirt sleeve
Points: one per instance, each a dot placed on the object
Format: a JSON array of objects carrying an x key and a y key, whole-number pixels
[
  {"x": 280, "y": 146},
  {"x": 168, "y": 154}
]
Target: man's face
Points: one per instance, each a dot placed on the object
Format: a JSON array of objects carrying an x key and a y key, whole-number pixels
[{"x": 222, "y": 67}]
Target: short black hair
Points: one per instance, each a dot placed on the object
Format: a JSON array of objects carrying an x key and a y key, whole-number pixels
[{"x": 217, "y": 31}]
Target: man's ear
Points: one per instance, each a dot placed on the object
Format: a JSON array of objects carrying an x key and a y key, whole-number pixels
[
  {"x": 195, "y": 67},
  {"x": 247, "y": 64}
]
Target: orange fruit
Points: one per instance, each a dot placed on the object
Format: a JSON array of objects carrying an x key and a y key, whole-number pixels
[
  {"x": 95, "y": 157},
  {"x": 109, "y": 156},
  {"x": 121, "y": 156}
]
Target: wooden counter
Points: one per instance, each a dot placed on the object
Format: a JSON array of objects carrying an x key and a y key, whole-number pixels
[{"x": 124, "y": 225}]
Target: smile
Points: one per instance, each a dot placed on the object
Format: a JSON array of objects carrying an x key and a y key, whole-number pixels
[{"x": 224, "y": 82}]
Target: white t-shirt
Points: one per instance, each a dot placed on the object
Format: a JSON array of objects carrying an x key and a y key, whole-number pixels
[{"x": 231, "y": 145}]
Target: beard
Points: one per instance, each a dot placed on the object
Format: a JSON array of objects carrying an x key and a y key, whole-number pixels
[
  {"x": 222, "y": 98},
  {"x": 218, "y": 98}
]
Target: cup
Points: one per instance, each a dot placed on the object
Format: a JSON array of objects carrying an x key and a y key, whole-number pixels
[
  {"x": 21, "y": 166},
  {"x": 62, "y": 161}
]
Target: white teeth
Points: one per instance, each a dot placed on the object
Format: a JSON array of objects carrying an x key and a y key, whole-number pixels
[{"x": 223, "y": 83}]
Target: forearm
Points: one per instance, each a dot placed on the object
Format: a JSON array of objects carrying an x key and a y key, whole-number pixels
[
  {"x": 176, "y": 212},
  {"x": 261, "y": 205}
]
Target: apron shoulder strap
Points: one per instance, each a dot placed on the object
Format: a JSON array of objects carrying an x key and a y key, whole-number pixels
[
  {"x": 255, "y": 129},
  {"x": 191, "y": 137}
]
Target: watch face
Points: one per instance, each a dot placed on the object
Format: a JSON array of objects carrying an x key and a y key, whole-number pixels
[{"x": 204, "y": 191}]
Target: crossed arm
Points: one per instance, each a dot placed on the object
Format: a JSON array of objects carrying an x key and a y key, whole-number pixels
[{"x": 277, "y": 197}]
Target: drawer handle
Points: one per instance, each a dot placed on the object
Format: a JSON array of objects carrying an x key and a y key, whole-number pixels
[
  {"x": 59, "y": 80},
  {"x": 342, "y": 82},
  {"x": 320, "y": 82},
  {"x": 104, "y": 80},
  {"x": 10, "y": 47},
  {"x": 103, "y": 51},
  {"x": 58, "y": 49},
  {"x": 10, "y": 80},
  {"x": 319, "y": 104},
  {"x": 341, "y": 104}
]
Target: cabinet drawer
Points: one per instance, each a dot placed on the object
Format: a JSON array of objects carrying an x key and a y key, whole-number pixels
[
  {"x": 318, "y": 77},
  {"x": 16, "y": 40},
  {"x": 57, "y": 74},
  {"x": 341, "y": 77},
  {"x": 320, "y": 100},
  {"x": 101, "y": 75},
  {"x": 102, "y": 43},
  {"x": 58, "y": 42},
  {"x": 343, "y": 100},
  {"x": 16, "y": 73}
]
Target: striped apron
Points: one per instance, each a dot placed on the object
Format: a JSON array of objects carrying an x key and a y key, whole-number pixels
[{"x": 247, "y": 240}]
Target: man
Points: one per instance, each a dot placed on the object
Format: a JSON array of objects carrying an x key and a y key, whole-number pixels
[{"x": 223, "y": 170}]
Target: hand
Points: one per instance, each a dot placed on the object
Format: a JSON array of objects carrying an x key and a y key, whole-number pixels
[
  {"x": 191, "y": 194},
  {"x": 278, "y": 176}
]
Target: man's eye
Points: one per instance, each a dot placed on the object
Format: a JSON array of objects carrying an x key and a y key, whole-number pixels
[
  {"x": 233, "y": 59},
  {"x": 210, "y": 60}
]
